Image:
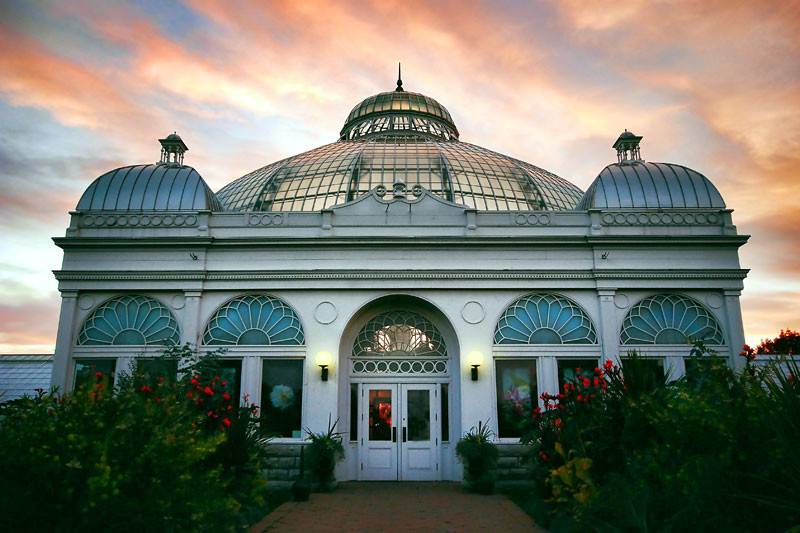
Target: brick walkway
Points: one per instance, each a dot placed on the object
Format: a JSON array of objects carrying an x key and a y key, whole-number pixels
[{"x": 405, "y": 506}]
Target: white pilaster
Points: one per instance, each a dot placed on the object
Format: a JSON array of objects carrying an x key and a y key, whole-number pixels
[
  {"x": 735, "y": 333},
  {"x": 190, "y": 324},
  {"x": 64, "y": 341},
  {"x": 609, "y": 330}
]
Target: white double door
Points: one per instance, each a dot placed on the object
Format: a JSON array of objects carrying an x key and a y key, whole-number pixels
[{"x": 399, "y": 431}]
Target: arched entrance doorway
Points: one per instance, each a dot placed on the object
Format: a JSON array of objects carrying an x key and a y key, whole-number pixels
[{"x": 399, "y": 356}]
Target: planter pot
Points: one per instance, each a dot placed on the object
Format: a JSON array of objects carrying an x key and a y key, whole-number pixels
[{"x": 301, "y": 489}]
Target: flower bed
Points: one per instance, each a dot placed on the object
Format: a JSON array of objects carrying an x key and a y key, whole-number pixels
[
  {"x": 154, "y": 453},
  {"x": 715, "y": 450}
]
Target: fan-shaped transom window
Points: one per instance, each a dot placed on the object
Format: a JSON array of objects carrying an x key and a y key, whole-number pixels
[
  {"x": 130, "y": 320},
  {"x": 399, "y": 333},
  {"x": 254, "y": 319},
  {"x": 545, "y": 319},
  {"x": 670, "y": 319}
]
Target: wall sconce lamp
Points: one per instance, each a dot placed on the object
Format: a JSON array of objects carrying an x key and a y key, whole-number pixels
[
  {"x": 324, "y": 361},
  {"x": 475, "y": 360},
  {"x": 474, "y": 372}
]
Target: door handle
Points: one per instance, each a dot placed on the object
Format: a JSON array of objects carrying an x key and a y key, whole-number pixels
[
  {"x": 405, "y": 434},
  {"x": 394, "y": 434}
]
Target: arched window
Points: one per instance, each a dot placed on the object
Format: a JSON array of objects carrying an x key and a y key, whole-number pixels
[
  {"x": 130, "y": 321},
  {"x": 399, "y": 333},
  {"x": 670, "y": 319},
  {"x": 254, "y": 319},
  {"x": 545, "y": 319}
]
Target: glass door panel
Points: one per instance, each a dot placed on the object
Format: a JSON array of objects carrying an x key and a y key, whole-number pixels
[
  {"x": 378, "y": 444},
  {"x": 380, "y": 414},
  {"x": 419, "y": 446},
  {"x": 419, "y": 415}
]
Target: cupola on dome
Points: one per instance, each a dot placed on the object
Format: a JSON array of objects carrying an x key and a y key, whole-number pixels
[{"x": 400, "y": 137}]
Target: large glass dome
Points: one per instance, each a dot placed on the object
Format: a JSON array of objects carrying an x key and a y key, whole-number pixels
[{"x": 406, "y": 137}]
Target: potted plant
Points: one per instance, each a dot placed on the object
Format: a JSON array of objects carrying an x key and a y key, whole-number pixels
[
  {"x": 479, "y": 455},
  {"x": 324, "y": 451}
]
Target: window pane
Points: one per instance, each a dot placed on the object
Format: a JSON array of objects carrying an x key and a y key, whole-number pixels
[
  {"x": 282, "y": 398},
  {"x": 419, "y": 415},
  {"x": 354, "y": 411},
  {"x": 445, "y": 410},
  {"x": 232, "y": 373},
  {"x": 380, "y": 415},
  {"x": 697, "y": 369},
  {"x": 516, "y": 395},
  {"x": 569, "y": 369},
  {"x": 86, "y": 372},
  {"x": 155, "y": 368},
  {"x": 650, "y": 371}
]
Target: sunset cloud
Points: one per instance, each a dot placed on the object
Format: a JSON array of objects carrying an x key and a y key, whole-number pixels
[{"x": 87, "y": 86}]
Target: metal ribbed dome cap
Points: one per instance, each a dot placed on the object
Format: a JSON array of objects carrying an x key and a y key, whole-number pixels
[{"x": 399, "y": 136}]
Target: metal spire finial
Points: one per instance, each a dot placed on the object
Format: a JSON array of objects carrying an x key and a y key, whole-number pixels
[{"x": 399, "y": 79}]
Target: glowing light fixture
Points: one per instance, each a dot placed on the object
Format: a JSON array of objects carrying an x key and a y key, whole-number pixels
[
  {"x": 324, "y": 361},
  {"x": 475, "y": 361}
]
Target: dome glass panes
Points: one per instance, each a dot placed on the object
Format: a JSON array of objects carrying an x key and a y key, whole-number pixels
[
  {"x": 130, "y": 321},
  {"x": 402, "y": 113},
  {"x": 254, "y": 320},
  {"x": 670, "y": 319},
  {"x": 455, "y": 171},
  {"x": 399, "y": 333},
  {"x": 545, "y": 319}
]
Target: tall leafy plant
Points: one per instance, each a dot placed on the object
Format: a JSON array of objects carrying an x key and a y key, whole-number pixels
[
  {"x": 324, "y": 451},
  {"x": 479, "y": 455}
]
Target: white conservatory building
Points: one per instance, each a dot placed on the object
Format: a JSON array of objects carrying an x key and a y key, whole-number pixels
[{"x": 399, "y": 279}]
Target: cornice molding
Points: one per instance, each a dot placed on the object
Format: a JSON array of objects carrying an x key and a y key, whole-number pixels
[
  {"x": 280, "y": 275},
  {"x": 384, "y": 240}
]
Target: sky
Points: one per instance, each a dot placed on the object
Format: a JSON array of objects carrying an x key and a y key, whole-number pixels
[{"x": 86, "y": 87}]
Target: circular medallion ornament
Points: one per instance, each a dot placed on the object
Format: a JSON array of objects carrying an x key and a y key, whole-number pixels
[
  {"x": 178, "y": 301},
  {"x": 621, "y": 300},
  {"x": 714, "y": 301},
  {"x": 86, "y": 301},
  {"x": 473, "y": 312},
  {"x": 325, "y": 313}
]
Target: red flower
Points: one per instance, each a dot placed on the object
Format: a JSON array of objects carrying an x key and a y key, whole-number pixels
[
  {"x": 580, "y": 397},
  {"x": 608, "y": 365},
  {"x": 146, "y": 388},
  {"x": 596, "y": 382},
  {"x": 224, "y": 383},
  {"x": 98, "y": 375},
  {"x": 194, "y": 381},
  {"x": 543, "y": 456},
  {"x": 586, "y": 382},
  {"x": 190, "y": 395},
  {"x": 226, "y": 396},
  {"x": 557, "y": 422},
  {"x": 227, "y": 422},
  {"x": 597, "y": 370},
  {"x": 209, "y": 391}
]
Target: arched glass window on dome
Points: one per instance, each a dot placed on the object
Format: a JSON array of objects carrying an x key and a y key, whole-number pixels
[
  {"x": 130, "y": 320},
  {"x": 545, "y": 319},
  {"x": 399, "y": 333},
  {"x": 254, "y": 320},
  {"x": 670, "y": 319}
]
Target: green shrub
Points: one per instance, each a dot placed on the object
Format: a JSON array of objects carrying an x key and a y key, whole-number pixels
[
  {"x": 143, "y": 456},
  {"x": 712, "y": 451},
  {"x": 324, "y": 452},
  {"x": 479, "y": 455}
]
